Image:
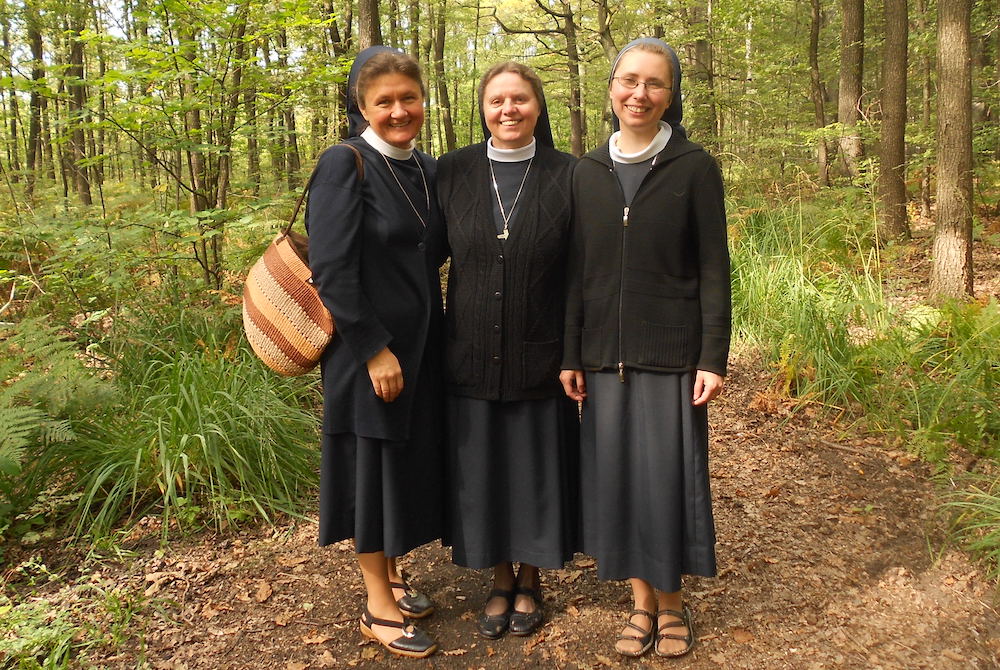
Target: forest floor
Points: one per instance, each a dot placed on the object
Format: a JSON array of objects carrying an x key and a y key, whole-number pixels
[{"x": 830, "y": 556}]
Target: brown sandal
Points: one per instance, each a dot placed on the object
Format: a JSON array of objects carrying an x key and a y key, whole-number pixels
[
  {"x": 645, "y": 640},
  {"x": 685, "y": 622}
]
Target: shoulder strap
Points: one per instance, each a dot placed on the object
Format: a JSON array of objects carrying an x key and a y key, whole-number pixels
[{"x": 358, "y": 163}]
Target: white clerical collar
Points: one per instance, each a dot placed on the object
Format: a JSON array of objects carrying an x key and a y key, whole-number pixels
[
  {"x": 384, "y": 148},
  {"x": 653, "y": 148},
  {"x": 510, "y": 155}
]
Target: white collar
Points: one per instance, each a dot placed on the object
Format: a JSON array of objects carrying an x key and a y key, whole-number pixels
[
  {"x": 510, "y": 155},
  {"x": 653, "y": 148},
  {"x": 384, "y": 148}
]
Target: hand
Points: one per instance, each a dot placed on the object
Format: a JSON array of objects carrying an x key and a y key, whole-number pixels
[
  {"x": 707, "y": 386},
  {"x": 387, "y": 376},
  {"x": 574, "y": 384}
]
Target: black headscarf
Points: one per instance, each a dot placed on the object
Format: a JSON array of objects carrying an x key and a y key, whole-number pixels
[
  {"x": 356, "y": 123},
  {"x": 675, "y": 111},
  {"x": 543, "y": 128}
]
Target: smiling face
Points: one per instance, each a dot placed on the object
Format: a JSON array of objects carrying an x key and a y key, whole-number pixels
[
  {"x": 393, "y": 105},
  {"x": 638, "y": 109},
  {"x": 511, "y": 110}
]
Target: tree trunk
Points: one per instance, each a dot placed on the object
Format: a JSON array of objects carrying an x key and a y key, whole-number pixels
[
  {"x": 577, "y": 124},
  {"x": 13, "y": 144},
  {"x": 34, "y": 148},
  {"x": 926, "y": 89},
  {"x": 444, "y": 102},
  {"x": 77, "y": 105},
  {"x": 705, "y": 126},
  {"x": 892, "y": 164},
  {"x": 369, "y": 28},
  {"x": 816, "y": 91},
  {"x": 951, "y": 270},
  {"x": 852, "y": 52}
]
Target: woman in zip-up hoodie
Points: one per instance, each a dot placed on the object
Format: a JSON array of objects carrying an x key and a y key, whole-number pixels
[{"x": 646, "y": 343}]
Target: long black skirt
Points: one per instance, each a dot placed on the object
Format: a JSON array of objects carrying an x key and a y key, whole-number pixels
[
  {"x": 514, "y": 481},
  {"x": 387, "y": 495},
  {"x": 647, "y": 508}
]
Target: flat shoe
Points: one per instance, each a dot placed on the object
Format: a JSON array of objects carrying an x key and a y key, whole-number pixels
[
  {"x": 413, "y": 643},
  {"x": 493, "y": 626},
  {"x": 645, "y": 640},
  {"x": 685, "y": 622},
  {"x": 526, "y": 623},
  {"x": 413, "y": 603}
]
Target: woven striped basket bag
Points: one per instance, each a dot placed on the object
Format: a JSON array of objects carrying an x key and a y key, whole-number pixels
[{"x": 285, "y": 321}]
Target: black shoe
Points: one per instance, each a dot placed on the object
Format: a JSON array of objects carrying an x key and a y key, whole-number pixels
[
  {"x": 413, "y": 603},
  {"x": 493, "y": 626},
  {"x": 526, "y": 623},
  {"x": 413, "y": 643}
]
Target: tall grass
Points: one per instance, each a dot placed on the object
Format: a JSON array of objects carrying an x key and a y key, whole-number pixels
[
  {"x": 201, "y": 430},
  {"x": 808, "y": 292}
]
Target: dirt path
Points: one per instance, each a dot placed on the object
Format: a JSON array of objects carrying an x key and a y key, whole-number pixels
[{"x": 829, "y": 558}]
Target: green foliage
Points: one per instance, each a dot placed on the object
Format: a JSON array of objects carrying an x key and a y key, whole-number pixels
[
  {"x": 36, "y": 635},
  {"x": 807, "y": 290},
  {"x": 976, "y": 507},
  {"x": 44, "y": 388},
  {"x": 201, "y": 429}
]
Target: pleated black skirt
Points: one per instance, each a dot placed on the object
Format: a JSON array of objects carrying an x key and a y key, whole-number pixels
[
  {"x": 389, "y": 496},
  {"x": 514, "y": 493},
  {"x": 647, "y": 509}
]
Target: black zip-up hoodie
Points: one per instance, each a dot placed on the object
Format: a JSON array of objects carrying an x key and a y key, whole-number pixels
[{"x": 648, "y": 285}]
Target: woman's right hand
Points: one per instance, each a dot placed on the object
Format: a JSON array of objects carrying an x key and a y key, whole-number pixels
[
  {"x": 386, "y": 375},
  {"x": 574, "y": 384}
]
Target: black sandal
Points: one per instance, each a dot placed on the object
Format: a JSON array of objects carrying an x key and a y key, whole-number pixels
[
  {"x": 493, "y": 626},
  {"x": 645, "y": 640},
  {"x": 526, "y": 623},
  {"x": 413, "y": 643},
  {"x": 685, "y": 622},
  {"x": 412, "y": 603}
]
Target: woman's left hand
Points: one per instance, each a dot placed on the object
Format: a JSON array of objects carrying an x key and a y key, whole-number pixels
[{"x": 707, "y": 386}]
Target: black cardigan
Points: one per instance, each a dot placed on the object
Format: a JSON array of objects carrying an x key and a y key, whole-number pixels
[
  {"x": 376, "y": 269},
  {"x": 648, "y": 286},
  {"x": 505, "y": 299}
]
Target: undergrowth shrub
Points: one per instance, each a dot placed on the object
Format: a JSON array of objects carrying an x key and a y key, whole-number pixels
[
  {"x": 976, "y": 509},
  {"x": 201, "y": 429}
]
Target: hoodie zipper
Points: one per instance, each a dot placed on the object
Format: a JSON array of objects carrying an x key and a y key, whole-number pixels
[{"x": 621, "y": 281}]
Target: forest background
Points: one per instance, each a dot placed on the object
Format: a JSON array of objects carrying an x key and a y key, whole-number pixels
[{"x": 151, "y": 150}]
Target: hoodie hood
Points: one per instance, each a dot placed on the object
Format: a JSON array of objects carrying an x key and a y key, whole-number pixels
[
  {"x": 675, "y": 112},
  {"x": 356, "y": 123}
]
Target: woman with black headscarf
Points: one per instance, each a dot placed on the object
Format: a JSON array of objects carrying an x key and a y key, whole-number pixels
[
  {"x": 648, "y": 319},
  {"x": 376, "y": 242},
  {"x": 512, "y": 435}
]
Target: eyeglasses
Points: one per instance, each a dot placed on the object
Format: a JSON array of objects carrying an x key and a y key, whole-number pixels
[{"x": 651, "y": 86}]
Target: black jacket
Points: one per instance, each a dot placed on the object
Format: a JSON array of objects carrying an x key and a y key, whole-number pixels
[
  {"x": 505, "y": 298},
  {"x": 648, "y": 287},
  {"x": 376, "y": 269}
]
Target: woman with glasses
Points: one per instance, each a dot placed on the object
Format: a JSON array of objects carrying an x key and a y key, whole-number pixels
[{"x": 647, "y": 338}]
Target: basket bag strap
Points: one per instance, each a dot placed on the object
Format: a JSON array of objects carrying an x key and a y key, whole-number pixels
[{"x": 358, "y": 163}]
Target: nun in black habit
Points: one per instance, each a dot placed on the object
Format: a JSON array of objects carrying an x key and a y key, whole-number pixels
[
  {"x": 512, "y": 434},
  {"x": 376, "y": 242},
  {"x": 647, "y": 337}
]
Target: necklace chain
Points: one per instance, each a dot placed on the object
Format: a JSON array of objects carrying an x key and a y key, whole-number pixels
[
  {"x": 427, "y": 193},
  {"x": 496, "y": 189}
]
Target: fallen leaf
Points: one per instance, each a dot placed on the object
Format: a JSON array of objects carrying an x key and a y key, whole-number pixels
[
  {"x": 490, "y": 651},
  {"x": 604, "y": 660},
  {"x": 292, "y": 561},
  {"x": 572, "y": 610},
  {"x": 742, "y": 635},
  {"x": 455, "y": 652},
  {"x": 282, "y": 619},
  {"x": 718, "y": 659},
  {"x": 264, "y": 592},
  {"x": 586, "y": 562},
  {"x": 369, "y": 653},
  {"x": 315, "y": 637},
  {"x": 954, "y": 656},
  {"x": 295, "y": 665},
  {"x": 326, "y": 660}
]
